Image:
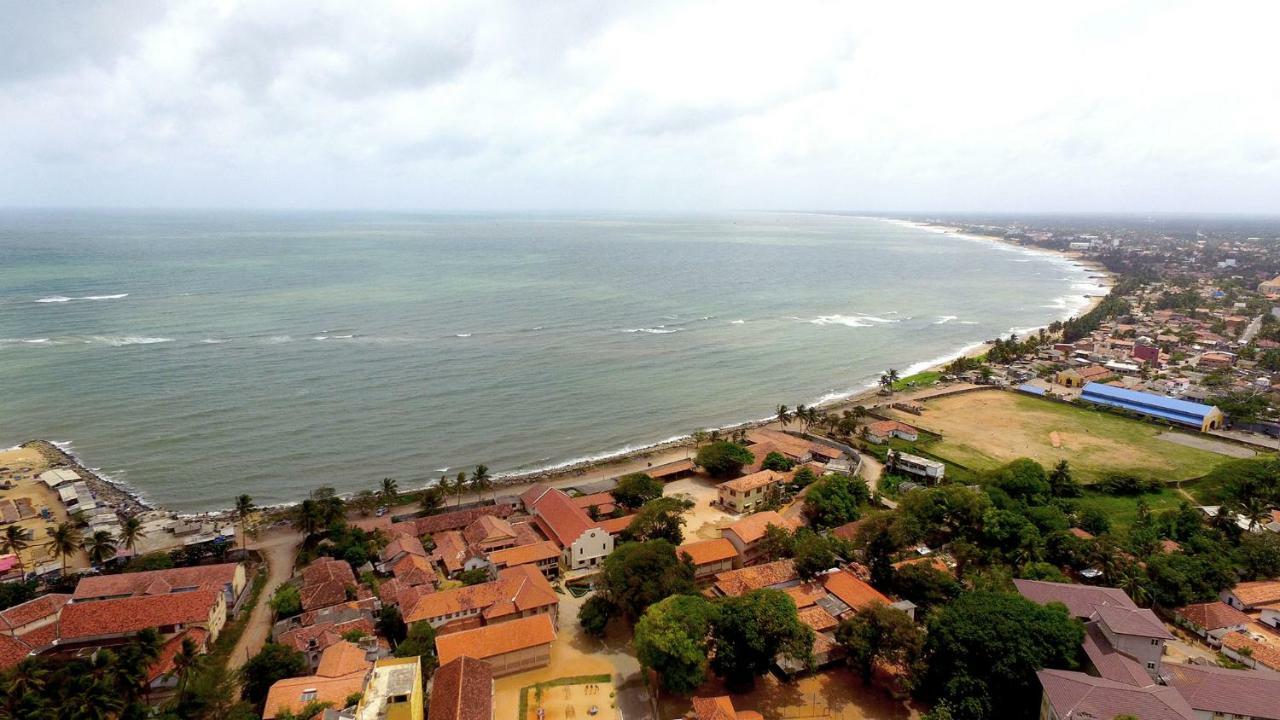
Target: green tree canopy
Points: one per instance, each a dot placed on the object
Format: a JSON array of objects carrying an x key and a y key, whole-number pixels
[
  {"x": 879, "y": 633},
  {"x": 639, "y": 574},
  {"x": 421, "y": 641},
  {"x": 594, "y": 615},
  {"x": 660, "y": 518},
  {"x": 723, "y": 458},
  {"x": 835, "y": 500},
  {"x": 636, "y": 489},
  {"x": 671, "y": 639},
  {"x": 274, "y": 662},
  {"x": 983, "y": 651},
  {"x": 750, "y": 630}
]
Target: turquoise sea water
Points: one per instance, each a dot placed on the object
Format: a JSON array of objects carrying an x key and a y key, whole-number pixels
[{"x": 195, "y": 356}]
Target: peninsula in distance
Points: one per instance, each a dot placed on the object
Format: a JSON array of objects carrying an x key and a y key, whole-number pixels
[{"x": 710, "y": 361}]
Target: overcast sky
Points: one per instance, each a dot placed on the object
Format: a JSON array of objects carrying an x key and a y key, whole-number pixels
[{"x": 1024, "y": 106}]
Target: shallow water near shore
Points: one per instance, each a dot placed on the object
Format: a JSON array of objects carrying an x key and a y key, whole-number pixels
[{"x": 198, "y": 355}]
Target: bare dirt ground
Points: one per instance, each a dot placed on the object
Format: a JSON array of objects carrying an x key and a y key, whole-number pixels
[
  {"x": 835, "y": 693},
  {"x": 575, "y": 653},
  {"x": 704, "y": 521},
  {"x": 1204, "y": 443},
  {"x": 26, "y": 486},
  {"x": 280, "y": 548}
]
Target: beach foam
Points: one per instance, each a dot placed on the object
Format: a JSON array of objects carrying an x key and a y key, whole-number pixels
[
  {"x": 944, "y": 319},
  {"x": 856, "y": 320},
  {"x": 54, "y": 299},
  {"x": 121, "y": 341},
  {"x": 105, "y": 297},
  {"x": 659, "y": 330},
  {"x": 737, "y": 322}
]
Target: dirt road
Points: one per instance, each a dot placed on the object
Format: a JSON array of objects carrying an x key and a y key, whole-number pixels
[{"x": 280, "y": 548}]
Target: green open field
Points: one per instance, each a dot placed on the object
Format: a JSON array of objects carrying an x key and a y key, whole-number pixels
[{"x": 983, "y": 430}]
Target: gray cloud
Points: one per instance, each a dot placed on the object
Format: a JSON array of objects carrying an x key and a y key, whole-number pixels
[{"x": 681, "y": 105}]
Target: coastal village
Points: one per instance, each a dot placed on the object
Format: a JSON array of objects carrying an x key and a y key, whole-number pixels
[{"x": 1079, "y": 523}]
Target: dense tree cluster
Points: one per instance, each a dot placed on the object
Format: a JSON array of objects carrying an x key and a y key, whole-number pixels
[{"x": 722, "y": 459}]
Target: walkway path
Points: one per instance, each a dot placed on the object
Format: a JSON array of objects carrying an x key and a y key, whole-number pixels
[{"x": 280, "y": 548}]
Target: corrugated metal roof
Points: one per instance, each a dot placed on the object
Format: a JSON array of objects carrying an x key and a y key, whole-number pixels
[
  {"x": 1033, "y": 389},
  {"x": 1145, "y": 400}
]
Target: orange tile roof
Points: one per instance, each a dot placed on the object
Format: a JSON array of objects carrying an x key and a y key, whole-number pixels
[
  {"x": 525, "y": 554},
  {"x": 672, "y": 468},
  {"x": 705, "y": 552},
  {"x": 163, "y": 664},
  {"x": 932, "y": 561},
  {"x": 413, "y": 570},
  {"x": 462, "y": 690},
  {"x": 790, "y": 445},
  {"x": 122, "y": 616},
  {"x": 1212, "y": 615},
  {"x": 488, "y": 529},
  {"x": 602, "y": 500},
  {"x": 806, "y": 594},
  {"x": 287, "y": 695},
  {"x": 747, "y": 483},
  {"x": 733, "y": 583},
  {"x": 154, "y": 582},
  {"x": 818, "y": 619},
  {"x": 451, "y": 550},
  {"x": 848, "y": 531},
  {"x": 32, "y": 610},
  {"x": 751, "y": 528},
  {"x": 400, "y": 545},
  {"x": 851, "y": 591},
  {"x": 322, "y": 635},
  {"x": 517, "y": 589},
  {"x": 563, "y": 521},
  {"x": 493, "y": 640},
  {"x": 613, "y": 526},
  {"x": 325, "y": 582},
  {"x": 1265, "y": 654},
  {"x": 1258, "y": 592},
  {"x": 12, "y": 652},
  {"x": 342, "y": 658}
]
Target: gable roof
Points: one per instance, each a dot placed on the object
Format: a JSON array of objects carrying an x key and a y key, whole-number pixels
[
  {"x": 1081, "y": 600},
  {"x": 1257, "y": 592},
  {"x": 342, "y": 658},
  {"x": 325, "y": 582},
  {"x": 492, "y": 640},
  {"x": 1265, "y": 654},
  {"x": 747, "y": 483},
  {"x": 853, "y": 591},
  {"x": 704, "y": 552},
  {"x": 155, "y": 582},
  {"x": 488, "y": 529},
  {"x": 1219, "y": 690},
  {"x": 462, "y": 689},
  {"x": 1076, "y": 695},
  {"x": 121, "y": 616},
  {"x": 1139, "y": 622},
  {"x": 517, "y": 589},
  {"x": 32, "y": 610},
  {"x": 287, "y": 694},
  {"x": 402, "y": 544},
  {"x": 751, "y": 528},
  {"x": 525, "y": 554},
  {"x": 163, "y": 663},
  {"x": 1110, "y": 663},
  {"x": 1212, "y": 615},
  {"x": 563, "y": 521},
  {"x": 733, "y": 583}
]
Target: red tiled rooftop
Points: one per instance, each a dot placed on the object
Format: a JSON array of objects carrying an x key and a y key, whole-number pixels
[
  {"x": 104, "y": 618},
  {"x": 705, "y": 552},
  {"x": 492, "y": 640},
  {"x": 462, "y": 689},
  {"x": 752, "y": 527},
  {"x": 853, "y": 592},
  {"x": 154, "y": 582},
  {"x": 32, "y": 610},
  {"x": 1212, "y": 615}
]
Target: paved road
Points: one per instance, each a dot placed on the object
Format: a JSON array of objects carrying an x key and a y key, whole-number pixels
[
  {"x": 280, "y": 547},
  {"x": 1251, "y": 331}
]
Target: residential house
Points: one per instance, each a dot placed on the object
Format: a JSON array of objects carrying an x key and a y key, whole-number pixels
[
  {"x": 518, "y": 592},
  {"x": 747, "y": 533},
  {"x": 341, "y": 674},
  {"x": 777, "y": 575},
  {"x": 1246, "y": 650},
  {"x": 1216, "y": 693},
  {"x": 1071, "y": 695},
  {"x": 326, "y": 582},
  {"x": 462, "y": 689},
  {"x": 401, "y": 546},
  {"x": 489, "y": 533},
  {"x": 1211, "y": 620},
  {"x": 315, "y": 638},
  {"x": 511, "y": 647},
  {"x": 709, "y": 557},
  {"x": 882, "y": 431},
  {"x": 931, "y": 471},
  {"x": 745, "y": 494},
  {"x": 1252, "y": 595},
  {"x": 719, "y": 708},
  {"x": 29, "y": 628},
  {"x": 393, "y": 691}
]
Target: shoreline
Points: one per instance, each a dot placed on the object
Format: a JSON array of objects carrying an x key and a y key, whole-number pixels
[{"x": 608, "y": 463}]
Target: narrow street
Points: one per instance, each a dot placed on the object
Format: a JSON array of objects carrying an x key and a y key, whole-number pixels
[{"x": 279, "y": 548}]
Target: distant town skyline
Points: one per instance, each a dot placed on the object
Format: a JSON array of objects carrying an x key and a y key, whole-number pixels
[{"x": 680, "y": 106}]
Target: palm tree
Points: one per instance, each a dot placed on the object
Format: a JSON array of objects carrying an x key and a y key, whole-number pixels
[
  {"x": 101, "y": 547},
  {"x": 244, "y": 508},
  {"x": 65, "y": 539},
  {"x": 481, "y": 480},
  {"x": 307, "y": 516},
  {"x": 784, "y": 417},
  {"x": 15, "y": 540},
  {"x": 801, "y": 413},
  {"x": 79, "y": 518},
  {"x": 460, "y": 485},
  {"x": 130, "y": 533},
  {"x": 184, "y": 662},
  {"x": 389, "y": 492}
]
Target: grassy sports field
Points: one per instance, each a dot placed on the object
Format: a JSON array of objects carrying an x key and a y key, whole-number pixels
[{"x": 983, "y": 430}]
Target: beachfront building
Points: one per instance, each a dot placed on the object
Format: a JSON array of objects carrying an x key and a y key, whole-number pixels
[
  {"x": 393, "y": 691},
  {"x": 744, "y": 494},
  {"x": 881, "y": 432},
  {"x": 1181, "y": 412},
  {"x": 105, "y": 623},
  {"x": 512, "y": 647},
  {"x": 582, "y": 541},
  {"x": 931, "y": 471}
]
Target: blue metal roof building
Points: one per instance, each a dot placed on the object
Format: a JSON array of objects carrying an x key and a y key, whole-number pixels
[{"x": 1182, "y": 412}]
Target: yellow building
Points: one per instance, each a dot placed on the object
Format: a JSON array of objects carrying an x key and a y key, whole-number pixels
[{"x": 393, "y": 691}]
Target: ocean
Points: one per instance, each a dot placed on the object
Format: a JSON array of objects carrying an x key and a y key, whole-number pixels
[{"x": 194, "y": 356}]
